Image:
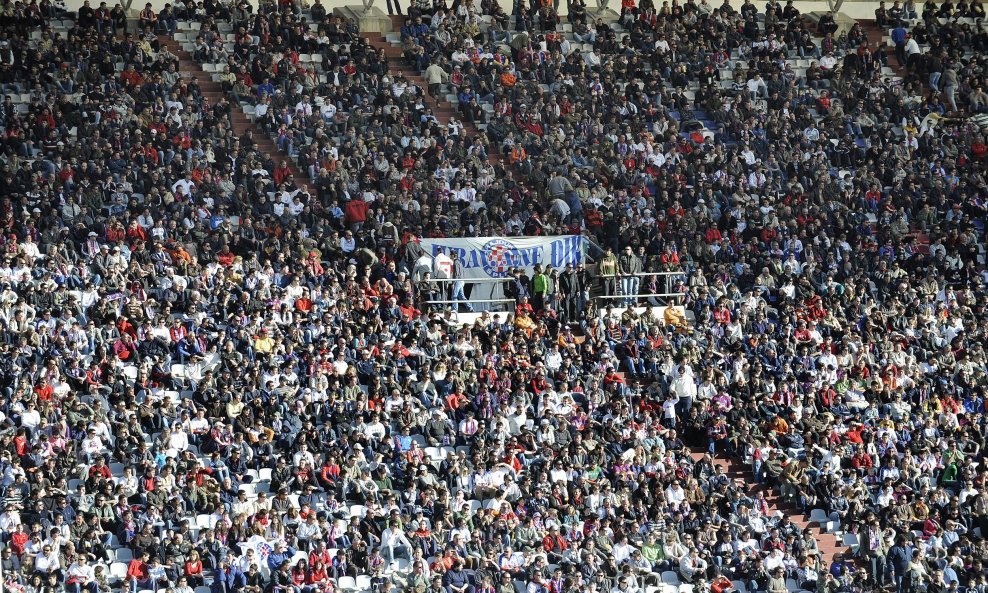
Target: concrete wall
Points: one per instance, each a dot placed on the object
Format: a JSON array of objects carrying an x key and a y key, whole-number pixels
[{"x": 853, "y": 8}]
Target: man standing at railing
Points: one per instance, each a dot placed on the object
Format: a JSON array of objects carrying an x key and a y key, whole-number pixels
[
  {"x": 629, "y": 266},
  {"x": 607, "y": 268},
  {"x": 540, "y": 288},
  {"x": 570, "y": 290},
  {"x": 458, "y": 286},
  {"x": 442, "y": 269}
]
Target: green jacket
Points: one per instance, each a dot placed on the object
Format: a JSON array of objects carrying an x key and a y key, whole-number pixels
[
  {"x": 540, "y": 284},
  {"x": 607, "y": 266}
]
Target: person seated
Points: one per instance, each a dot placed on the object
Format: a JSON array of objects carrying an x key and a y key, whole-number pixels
[{"x": 675, "y": 317}]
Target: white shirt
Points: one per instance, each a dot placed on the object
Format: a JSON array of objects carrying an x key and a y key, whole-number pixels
[
  {"x": 82, "y": 574},
  {"x": 442, "y": 266},
  {"x": 186, "y": 185}
]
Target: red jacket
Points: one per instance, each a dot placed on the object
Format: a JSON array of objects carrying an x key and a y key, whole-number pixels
[{"x": 138, "y": 570}]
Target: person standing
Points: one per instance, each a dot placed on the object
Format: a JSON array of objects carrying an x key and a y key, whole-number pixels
[
  {"x": 949, "y": 83},
  {"x": 540, "y": 288},
  {"x": 607, "y": 269},
  {"x": 435, "y": 76},
  {"x": 442, "y": 269},
  {"x": 459, "y": 293},
  {"x": 630, "y": 267},
  {"x": 875, "y": 550},
  {"x": 899, "y": 36},
  {"x": 569, "y": 293}
]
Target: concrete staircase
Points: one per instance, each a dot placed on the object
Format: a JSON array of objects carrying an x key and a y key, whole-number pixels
[
  {"x": 829, "y": 544},
  {"x": 441, "y": 108},
  {"x": 878, "y": 35},
  {"x": 213, "y": 91}
]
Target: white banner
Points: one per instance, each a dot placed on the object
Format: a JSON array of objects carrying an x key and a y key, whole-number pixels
[
  {"x": 494, "y": 257},
  {"x": 261, "y": 546}
]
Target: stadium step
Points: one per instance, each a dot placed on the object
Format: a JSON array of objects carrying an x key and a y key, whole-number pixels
[
  {"x": 877, "y": 35},
  {"x": 213, "y": 91},
  {"x": 829, "y": 544},
  {"x": 443, "y": 110}
]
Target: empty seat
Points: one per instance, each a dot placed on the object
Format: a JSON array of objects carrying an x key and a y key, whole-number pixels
[
  {"x": 118, "y": 570},
  {"x": 670, "y": 578},
  {"x": 819, "y": 516}
]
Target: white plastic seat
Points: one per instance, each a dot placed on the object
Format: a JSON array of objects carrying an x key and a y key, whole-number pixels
[
  {"x": 670, "y": 578},
  {"x": 118, "y": 570},
  {"x": 346, "y": 583},
  {"x": 124, "y": 555},
  {"x": 363, "y": 582}
]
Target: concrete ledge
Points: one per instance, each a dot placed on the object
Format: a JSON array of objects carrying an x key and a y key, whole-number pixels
[
  {"x": 844, "y": 22},
  {"x": 371, "y": 20},
  {"x": 607, "y": 14}
]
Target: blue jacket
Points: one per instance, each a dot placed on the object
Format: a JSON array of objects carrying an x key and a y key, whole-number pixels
[
  {"x": 276, "y": 560},
  {"x": 228, "y": 580}
]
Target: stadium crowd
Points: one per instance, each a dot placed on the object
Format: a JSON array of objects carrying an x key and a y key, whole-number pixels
[{"x": 213, "y": 378}]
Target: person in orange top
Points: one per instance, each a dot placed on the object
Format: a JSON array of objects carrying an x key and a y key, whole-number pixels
[
  {"x": 177, "y": 252},
  {"x": 518, "y": 154},
  {"x": 778, "y": 425}
]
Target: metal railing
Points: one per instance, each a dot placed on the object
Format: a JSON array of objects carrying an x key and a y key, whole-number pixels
[
  {"x": 472, "y": 301},
  {"x": 640, "y": 295},
  {"x": 469, "y": 280}
]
